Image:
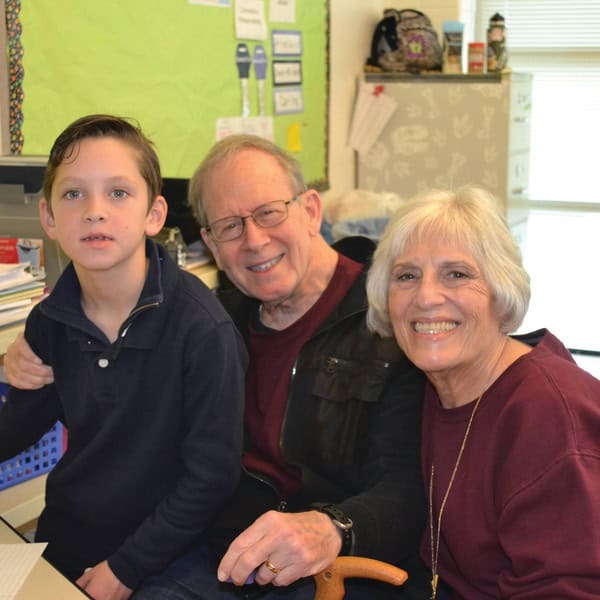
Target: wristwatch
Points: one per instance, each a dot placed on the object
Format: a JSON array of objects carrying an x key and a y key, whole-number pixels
[{"x": 341, "y": 521}]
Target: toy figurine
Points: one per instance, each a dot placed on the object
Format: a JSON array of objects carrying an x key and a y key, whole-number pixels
[{"x": 497, "y": 56}]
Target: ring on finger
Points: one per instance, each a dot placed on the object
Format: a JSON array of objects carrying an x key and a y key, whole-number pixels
[{"x": 271, "y": 567}]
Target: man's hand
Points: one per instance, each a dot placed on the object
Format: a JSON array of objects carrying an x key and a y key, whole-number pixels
[
  {"x": 294, "y": 544},
  {"x": 101, "y": 584},
  {"x": 23, "y": 368}
]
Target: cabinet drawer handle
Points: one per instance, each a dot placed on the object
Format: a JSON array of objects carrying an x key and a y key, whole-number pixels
[{"x": 521, "y": 119}]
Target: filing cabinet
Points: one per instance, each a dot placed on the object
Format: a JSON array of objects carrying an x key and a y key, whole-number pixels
[{"x": 450, "y": 130}]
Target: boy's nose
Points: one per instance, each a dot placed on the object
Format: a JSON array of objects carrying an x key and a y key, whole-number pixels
[
  {"x": 94, "y": 210},
  {"x": 94, "y": 217}
]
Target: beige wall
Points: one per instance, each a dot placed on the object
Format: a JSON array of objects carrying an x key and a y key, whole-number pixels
[{"x": 351, "y": 27}]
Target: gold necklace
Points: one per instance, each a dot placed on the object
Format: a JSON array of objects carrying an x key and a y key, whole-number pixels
[{"x": 435, "y": 552}]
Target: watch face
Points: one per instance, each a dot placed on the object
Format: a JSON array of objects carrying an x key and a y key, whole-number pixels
[
  {"x": 338, "y": 518},
  {"x": 344, "y": 523}
]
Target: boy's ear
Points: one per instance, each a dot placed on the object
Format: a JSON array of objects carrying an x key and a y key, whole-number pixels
[
  {"x": 47, "y": 218},
  {"x": 156, "y": 217}
]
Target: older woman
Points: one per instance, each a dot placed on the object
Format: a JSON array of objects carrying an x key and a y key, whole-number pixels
[{"x": 511, "y": 425}]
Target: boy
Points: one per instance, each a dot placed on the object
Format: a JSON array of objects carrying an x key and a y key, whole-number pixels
[{"x": 148, "y": 372}]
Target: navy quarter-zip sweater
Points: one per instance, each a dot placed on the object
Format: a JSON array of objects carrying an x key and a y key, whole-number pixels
[{"x": 154, "y": 421}]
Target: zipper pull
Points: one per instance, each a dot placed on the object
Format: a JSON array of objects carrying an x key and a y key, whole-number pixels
[{"x": 331, "y": 364}]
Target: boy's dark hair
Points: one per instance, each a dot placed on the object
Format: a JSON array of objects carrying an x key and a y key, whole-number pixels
[{"x": 92, "y": 126}]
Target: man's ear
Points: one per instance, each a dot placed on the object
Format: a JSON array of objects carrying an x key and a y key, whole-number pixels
[
  {"x": 47, "y": 218},
  {"x": 313, "y": 205},
  {"x": 211, "y": 245},
  {"x": 156, "y": 217}
]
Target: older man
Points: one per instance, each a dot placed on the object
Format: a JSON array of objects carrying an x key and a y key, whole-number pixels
[{"x": 332, "y": 412}]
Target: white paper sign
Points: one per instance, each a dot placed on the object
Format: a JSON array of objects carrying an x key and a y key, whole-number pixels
[
  {"x": 282, "y": 11},
  {"x": 261, "y": 126},
  {"x": 286, "y": 43},
  {"x": 286, "y": 72},
  {"x": 250, "y": 21},
  {"x": 288, "y": 100},
  {"x": 372, "y": 111},
  {"x": 221, "y": 3}
]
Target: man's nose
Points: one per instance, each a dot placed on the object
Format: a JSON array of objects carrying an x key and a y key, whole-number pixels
[{"x": 255, "y": 235}]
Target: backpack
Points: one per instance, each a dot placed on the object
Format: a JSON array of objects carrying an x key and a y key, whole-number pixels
[{"x": 405, "y": 40}]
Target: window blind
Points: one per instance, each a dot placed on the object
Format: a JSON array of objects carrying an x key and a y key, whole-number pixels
[{"x": 559, "y": 42}]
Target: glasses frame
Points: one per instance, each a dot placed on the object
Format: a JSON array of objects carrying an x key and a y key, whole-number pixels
[{"x": 286, "y": 203}]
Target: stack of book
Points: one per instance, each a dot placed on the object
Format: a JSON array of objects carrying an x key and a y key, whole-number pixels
[
  {"x": 20, "y": 290},
  {"x": 22, "y": 278}
]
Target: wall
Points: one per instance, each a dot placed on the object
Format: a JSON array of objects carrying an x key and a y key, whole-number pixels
[
  {"x": 167, "y": 71},
  {"x": 351, "y": 27}
]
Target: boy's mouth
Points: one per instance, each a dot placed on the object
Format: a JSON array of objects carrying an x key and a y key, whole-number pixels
[{"x": 96, "y": 238}]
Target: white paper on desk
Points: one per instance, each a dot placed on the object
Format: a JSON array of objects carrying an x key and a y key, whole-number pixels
[
  {"x": 16, "y": 562},
  {"x": 370, "y": 116}
]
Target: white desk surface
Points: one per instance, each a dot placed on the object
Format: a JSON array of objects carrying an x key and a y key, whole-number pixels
[
  {"x": 44, "y": 581},
  {"x": 24, "y": 502}
]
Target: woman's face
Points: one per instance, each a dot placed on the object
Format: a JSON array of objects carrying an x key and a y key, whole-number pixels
[{"x": 441, "y": 308}]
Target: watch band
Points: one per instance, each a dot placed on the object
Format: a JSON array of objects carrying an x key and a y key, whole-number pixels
[{"x": 342, "y": 521}]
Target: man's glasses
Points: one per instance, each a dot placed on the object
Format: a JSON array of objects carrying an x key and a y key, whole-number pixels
[{"x": 266, "y": 215}]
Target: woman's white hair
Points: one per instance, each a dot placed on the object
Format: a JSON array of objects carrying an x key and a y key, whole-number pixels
[{"x": 470, "y": 218}]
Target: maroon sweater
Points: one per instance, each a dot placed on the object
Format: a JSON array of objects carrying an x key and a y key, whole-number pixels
[
  {"x": 523, "y": 517},
  {"x": 273, "y": 354}
]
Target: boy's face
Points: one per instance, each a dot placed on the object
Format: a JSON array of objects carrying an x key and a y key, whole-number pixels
[{"x": 99, "y": 206}]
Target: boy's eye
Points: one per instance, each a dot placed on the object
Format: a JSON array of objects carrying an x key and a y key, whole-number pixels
[
  {"x": 73, "y": 194},
  {"x": 120, "y": 194}
]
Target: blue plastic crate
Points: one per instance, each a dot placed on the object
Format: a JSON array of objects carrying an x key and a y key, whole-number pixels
[{"x": 36, "y": 460}]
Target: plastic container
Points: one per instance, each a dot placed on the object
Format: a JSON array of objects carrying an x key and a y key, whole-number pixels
[
  {"x": 36, "y": 460},
  {"x": 477, "y": 58},
  {"x": 453, "y": 45}
]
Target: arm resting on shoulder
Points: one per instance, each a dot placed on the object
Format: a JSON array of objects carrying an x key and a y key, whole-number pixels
[{"x": 23, "y": 368}]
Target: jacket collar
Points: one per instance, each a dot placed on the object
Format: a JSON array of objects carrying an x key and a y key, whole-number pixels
[
  {"x": 357, "y": 248},
  {"x": 64, "y": 305}
]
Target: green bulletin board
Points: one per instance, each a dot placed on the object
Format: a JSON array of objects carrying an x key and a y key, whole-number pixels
[{"x": 170, "y": 64}]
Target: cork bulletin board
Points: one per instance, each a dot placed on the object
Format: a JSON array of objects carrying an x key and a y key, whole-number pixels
[{"x": 169, "y": 65}]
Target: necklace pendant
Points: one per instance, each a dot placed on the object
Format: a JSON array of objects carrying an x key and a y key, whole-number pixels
[{"x": 434, "y": 583}]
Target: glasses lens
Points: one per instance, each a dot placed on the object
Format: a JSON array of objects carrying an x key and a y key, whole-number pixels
[
  {"x": 227, "y": 229},
  {"x": 271, "y": 214},
  {"x": 267, "y": 215}
]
